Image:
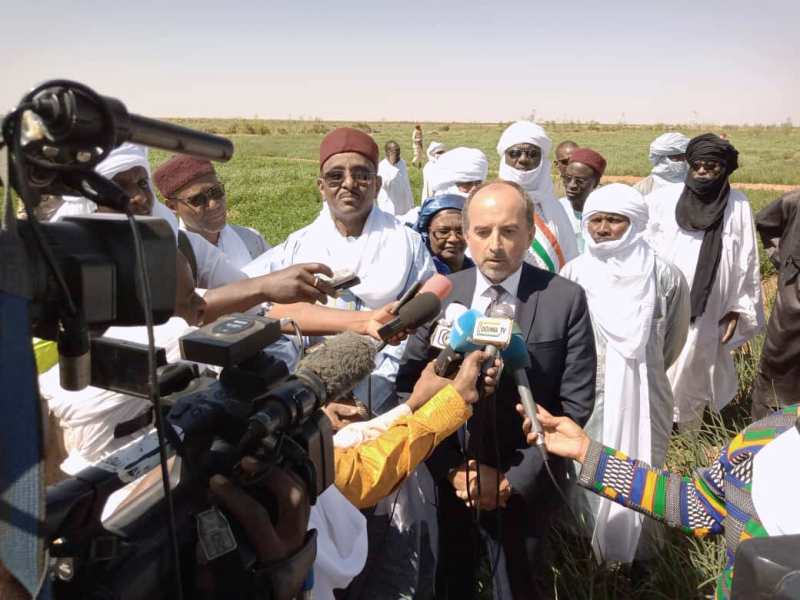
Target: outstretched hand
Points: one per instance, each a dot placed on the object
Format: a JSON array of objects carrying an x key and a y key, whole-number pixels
[
  {"x": 297, "y": 283},
  {"x": 380, "y": 317},
  {"x": 562, "y": 436}
]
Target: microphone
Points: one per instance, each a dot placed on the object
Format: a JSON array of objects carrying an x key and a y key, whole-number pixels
[
  {"x": 419, "y": 310},
  {"x": 516, "y": 358},
  {"x": 70, "y": 111},
  {"x": 460, "y": 341},
  {"x": 494, "y": 331},
  {"x": 441, "y": 335},
  {"x": 438, "y": 284},
  {"x": 323, "y": 376}
]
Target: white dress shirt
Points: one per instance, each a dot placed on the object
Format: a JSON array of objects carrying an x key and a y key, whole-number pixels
[{"x": 482, "y": 296}]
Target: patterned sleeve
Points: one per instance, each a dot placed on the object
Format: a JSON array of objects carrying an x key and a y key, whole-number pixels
[{"x": 695, "y": 505}]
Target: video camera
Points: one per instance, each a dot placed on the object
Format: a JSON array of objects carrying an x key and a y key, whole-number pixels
[{"x": 60, "y": 280}]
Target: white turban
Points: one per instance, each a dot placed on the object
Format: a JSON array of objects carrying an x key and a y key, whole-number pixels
[
  {"x": 620, "y": 285},
  {"x": 123, "y": 158},
  {"x": 434, "y": 147},
  {"x": 536, "y": 182},
  {"x": 665, "y": 145},
  {"x": 457, "y": 166}
]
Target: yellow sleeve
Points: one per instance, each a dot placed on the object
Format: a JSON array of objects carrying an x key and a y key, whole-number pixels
[{"x": 370, "y": 471}]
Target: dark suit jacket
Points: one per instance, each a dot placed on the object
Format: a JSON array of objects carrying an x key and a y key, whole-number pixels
[{"x": 554, "y": 319}]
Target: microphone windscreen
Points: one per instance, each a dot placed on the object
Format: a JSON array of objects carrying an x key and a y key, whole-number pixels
[
  {"x": 454, "y": 311},
  {"x": 341, "y": 363},
  {"x": 515, "y": 355},
  {"x": 462, "y": 331},
  {"x": 421, "y": 309},
  {"x": 438, "y": 284}
]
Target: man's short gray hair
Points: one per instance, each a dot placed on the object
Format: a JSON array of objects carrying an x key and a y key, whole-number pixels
[{"x": 523, "y": 196}]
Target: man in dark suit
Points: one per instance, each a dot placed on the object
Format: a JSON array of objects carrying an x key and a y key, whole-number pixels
[{"x": 486, "y": 473}]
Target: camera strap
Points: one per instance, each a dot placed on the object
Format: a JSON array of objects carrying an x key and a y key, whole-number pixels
[{"x": 22, "y": 490}]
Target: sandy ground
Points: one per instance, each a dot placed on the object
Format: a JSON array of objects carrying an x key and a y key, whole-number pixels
[{"x": 775, "y": 187}]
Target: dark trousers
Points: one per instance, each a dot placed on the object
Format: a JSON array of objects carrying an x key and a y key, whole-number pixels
[{"x": 515, "y": 551}]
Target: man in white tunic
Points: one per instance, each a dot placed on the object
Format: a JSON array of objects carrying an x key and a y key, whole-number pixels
[
  {"x": 395, "y": 196},
  {"x": 435, "y": 150},
  {"x": 523, "y": 150},
  {"x": 639, "y": 305},
  {"x": 668, "y": 157},
  {"x": 705, "y": 228},
  {"x": 191, "y": 188}
]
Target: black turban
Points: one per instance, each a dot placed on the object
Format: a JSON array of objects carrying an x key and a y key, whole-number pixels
[{"x": 701, "y": 207}]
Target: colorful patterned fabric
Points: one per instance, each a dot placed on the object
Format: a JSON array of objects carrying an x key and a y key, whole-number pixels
[
  {"x": 716, "y": 500},
  {"x": 545, "y": 245}
]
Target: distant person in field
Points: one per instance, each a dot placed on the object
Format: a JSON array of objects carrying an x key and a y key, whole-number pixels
[
  {"x": 668, "y": 157},
  {"x": 639, "y": 306},
  {"x": 560, "y": 161},
  {"x": 706, "y": 229},
  {"x": 416, "y": 140},
  {"x": 778, "y": 381},
  {"x": 395, "y": 196},
  {"x": 582, "y": 175},
  {"x": 442, "y": 230},
  {"x": 191, "y": 188},
  {"x": 523, "y": 149},
  {"x": 435, "y": 150}
]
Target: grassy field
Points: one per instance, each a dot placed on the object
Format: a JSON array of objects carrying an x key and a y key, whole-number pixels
[{"x": 271, "y": 186}]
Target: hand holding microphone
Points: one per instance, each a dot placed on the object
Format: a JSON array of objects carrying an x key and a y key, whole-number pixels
[{"x": 415, "y": 310}]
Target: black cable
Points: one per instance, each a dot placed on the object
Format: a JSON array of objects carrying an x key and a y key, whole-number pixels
[{"x": 155, "y": 396}]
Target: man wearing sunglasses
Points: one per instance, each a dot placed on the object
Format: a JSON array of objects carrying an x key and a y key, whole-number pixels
[
  {"x": 705, "y": 228},
  {"x": 585, "y": 168},
  {"x": 523, "y": 150},
  {"x": 191, "y": 189}
]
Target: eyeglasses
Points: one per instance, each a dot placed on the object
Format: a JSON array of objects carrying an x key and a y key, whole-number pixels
[
  {"x": 532, "y": 153},
  {"x": 335, "y": 178},
  {"x": 201, "y": 199},
  {"x": 444, "y": 233}
]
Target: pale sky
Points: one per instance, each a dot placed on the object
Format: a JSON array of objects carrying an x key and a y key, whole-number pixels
[{"x": 673, "y": 61}]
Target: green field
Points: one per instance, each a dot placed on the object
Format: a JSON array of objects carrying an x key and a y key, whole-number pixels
[
  {"x": 271, "y": 178},
  {"x": 271, "y": 186}
]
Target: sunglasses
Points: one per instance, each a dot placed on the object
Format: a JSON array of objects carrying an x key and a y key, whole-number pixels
[
  {"x": 201, "y": 199},
  {"x": 335, "y": 178},
  {"x": 531, "y": 153},
  {"x": 708, "y": 165}
]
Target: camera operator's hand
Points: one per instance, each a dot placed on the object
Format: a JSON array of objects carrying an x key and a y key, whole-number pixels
[
  {"x": 297, "y": 283},
  {"x": 271, "y": 541},
  {"x": 342, "y": 414}
]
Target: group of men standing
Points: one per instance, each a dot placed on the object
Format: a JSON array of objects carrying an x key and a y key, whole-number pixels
[{"x": 629, "y": 306}]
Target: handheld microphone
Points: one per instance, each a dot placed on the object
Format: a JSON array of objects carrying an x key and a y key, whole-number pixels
[
  {"x": 494, "y": 332},
  {"x": 419, "y": 310},
  {"x": 516, "y": 358},
  {"x": 440, "y": 337},
  {"x": 460, "y": 341}
]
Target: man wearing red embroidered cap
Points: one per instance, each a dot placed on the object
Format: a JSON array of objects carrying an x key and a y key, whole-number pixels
[
  {"x": 352, "y": 233},
  {"x": 190, "y": 188},
  {"x": 582, "y": 175}
]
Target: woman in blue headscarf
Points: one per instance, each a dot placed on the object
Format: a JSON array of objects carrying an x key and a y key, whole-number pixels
[{"x": 439, "y": 224}]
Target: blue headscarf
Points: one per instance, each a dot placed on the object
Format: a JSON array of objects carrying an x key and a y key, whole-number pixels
[{"x": 430, "y": 207}]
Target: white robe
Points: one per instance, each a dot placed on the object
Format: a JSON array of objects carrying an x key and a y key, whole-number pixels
[
  {"x": 574, "y": 221},
  {"x": 704, "y": 373},
  {"x": 395, "y": 196}
]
